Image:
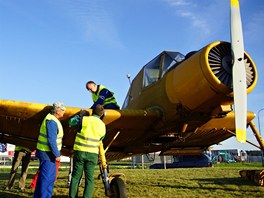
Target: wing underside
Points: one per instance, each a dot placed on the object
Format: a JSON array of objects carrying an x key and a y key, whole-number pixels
[
  {"x": 212, "y": 132},
  {"x": 20, "y": 123},
  {"x": 129, "y": 132}
]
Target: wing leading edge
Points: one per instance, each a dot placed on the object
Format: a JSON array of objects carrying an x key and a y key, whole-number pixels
[{"x": 20, "y": 123}]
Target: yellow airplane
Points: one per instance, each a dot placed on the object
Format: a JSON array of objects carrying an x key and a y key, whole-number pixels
[{"x": 176, "y": 104}]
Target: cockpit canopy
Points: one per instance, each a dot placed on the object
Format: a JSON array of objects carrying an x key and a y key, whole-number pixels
[
  {"x": 157, "y": 67},
  {"x": 152, "y": 72}
]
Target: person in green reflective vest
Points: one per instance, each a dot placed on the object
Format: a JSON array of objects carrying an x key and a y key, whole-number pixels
[
  {"x": 22, "y": 154},
  {"x": 101, "y": 95},
  {"x": 86, "y": 148}
]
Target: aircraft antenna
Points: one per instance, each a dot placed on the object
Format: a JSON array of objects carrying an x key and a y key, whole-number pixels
[{"x": 128, "y": 77}]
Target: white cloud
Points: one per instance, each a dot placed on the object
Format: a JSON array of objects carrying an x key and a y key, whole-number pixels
[
  {"x": 95, "y": 22},
  {"x": 191, "y": 12},
  {"x": 196, "y": 21},
  {"x": 177, "y": 2}
]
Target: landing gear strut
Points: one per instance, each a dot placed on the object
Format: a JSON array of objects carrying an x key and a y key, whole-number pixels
[
  {"x": 254, "y": 175},
  {"x": 113, "y": 184}
]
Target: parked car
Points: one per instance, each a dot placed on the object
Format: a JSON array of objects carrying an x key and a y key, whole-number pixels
[{"x": 186, "y": 161}]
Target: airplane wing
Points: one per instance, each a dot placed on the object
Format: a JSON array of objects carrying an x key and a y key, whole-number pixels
[
  {"x": 20, "y": 123},
  {"x": 145, "y": 139},
  {"x": 129, "y": 132},
  {"x": 124, "y": 128}
]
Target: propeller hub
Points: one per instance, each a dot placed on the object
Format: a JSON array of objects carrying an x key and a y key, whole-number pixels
[{"x": 227, "y": 63}]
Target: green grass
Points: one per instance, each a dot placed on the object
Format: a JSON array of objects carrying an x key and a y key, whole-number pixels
[{"x": 222, "y": 180}]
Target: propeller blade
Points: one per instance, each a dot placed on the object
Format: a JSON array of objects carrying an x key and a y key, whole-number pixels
[{"x": 239, "y": 72}]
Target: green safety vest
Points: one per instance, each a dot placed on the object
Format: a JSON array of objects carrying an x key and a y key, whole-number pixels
[
  {"x": 88, "y": 139},
  {"x": 19, "y": 148},
  {"x": 110, "y": 100},
  {"x": 43, "y": 140}
]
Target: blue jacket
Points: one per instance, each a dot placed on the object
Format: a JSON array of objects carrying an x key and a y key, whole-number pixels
[
  {"x": 104, "y": 93},
  {"x": 52, "y": 129}
]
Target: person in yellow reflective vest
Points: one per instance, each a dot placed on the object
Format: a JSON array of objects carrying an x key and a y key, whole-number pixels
[
  {"x": 48, "y": 150},
  {"x": 22, "y": 154},
  {"x": 101, "y": 95},
  {"x": 86, "y": 148}
]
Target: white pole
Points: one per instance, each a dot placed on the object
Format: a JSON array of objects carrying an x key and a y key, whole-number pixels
[
  {"x": 164, "y": 161},
  {"x": 142, "y": 161}
]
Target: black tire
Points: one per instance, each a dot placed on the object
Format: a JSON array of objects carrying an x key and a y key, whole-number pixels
[{"x": 118, "y": 188}]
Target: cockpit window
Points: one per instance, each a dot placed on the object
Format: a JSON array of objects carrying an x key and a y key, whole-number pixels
[
  {"x": 156, "y": 68},
  {"x": 151, "y": 71},
  {"x": 171, "y": 59}
]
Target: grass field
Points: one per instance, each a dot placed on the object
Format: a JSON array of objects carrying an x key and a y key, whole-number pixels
[{"x": 219, "y": 181}]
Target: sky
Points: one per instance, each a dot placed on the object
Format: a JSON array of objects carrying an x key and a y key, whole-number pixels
[{"x": 49, "y": 49}]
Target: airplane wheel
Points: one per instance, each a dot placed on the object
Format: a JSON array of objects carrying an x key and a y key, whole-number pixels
[{"x": 118, "y": 188}]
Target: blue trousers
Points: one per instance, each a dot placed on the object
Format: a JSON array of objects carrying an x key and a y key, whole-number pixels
[{"x": 46, "y": 179}]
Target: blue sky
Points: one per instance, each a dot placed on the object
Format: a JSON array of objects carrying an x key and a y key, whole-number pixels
[{"x": 50, "y": 49}]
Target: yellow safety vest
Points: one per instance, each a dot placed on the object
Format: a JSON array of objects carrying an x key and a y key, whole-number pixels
[
  {"x": 19, "y": 148},
  {"x": 93, "y": 129},
  {"x": 110, "y": 100},
  {"x": 43, "y": 140}
]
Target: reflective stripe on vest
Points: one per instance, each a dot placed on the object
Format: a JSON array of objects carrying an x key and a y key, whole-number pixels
[
  {"x": 43, "y": 140},
  {"x": 93, "y": 129},
  {"x": 110, "y": 100}
]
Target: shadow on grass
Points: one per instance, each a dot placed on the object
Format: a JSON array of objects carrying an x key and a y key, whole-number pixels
[
  {"x": 5, "y": 176},
  {"x": 10, "y": 195},
  {"x": 215, "y": 184},
  {"x": 225, "y": 181}
]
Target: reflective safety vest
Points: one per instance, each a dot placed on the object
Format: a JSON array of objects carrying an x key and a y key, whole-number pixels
[
  {"x": 110, "y": 100},
  {"x": 43, "y": 140},
  {"x": 19, "y": 148},
  {"x": 88, "y": 139}
]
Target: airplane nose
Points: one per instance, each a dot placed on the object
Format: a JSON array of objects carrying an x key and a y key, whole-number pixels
[
  {"x": 207, "y": 76},
  {"x": 220, "y": 62}
]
